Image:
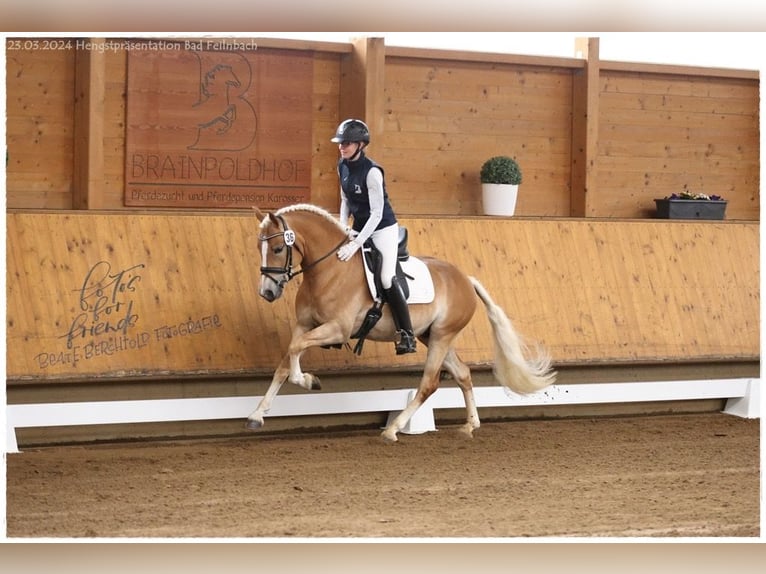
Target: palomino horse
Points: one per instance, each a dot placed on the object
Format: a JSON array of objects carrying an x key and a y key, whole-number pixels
[{"x": 333, "y": 299}]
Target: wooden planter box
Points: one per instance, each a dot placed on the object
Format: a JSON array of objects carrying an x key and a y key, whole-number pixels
[{"x": 690, "y": 208}]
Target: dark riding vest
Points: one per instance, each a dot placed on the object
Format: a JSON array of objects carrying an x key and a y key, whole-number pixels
[{"x": 353, "y": 181}]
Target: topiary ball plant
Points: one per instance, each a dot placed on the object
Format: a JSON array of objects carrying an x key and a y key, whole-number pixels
[{"x": 501, "y": 169}]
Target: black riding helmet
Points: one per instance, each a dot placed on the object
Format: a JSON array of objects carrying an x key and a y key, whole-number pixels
[{"x": 352, "y": 131}]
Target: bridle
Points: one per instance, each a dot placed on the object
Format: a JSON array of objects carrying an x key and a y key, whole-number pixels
[{"x": 286, "y": 271}]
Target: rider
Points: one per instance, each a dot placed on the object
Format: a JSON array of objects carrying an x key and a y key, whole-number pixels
[{"x": 363, "y": 196}]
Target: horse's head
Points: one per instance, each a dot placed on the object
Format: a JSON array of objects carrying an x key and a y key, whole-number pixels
[
  {"x": 276, "y": 242},
  {"x": 310, "y": 231}
]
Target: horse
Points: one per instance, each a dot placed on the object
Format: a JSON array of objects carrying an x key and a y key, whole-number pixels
[{"x": 333, "y": 298}]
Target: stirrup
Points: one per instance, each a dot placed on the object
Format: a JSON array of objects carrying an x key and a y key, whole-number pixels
[{"x": 406, "y": 342}]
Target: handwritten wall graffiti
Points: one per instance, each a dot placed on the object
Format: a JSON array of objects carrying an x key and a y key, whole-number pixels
[
  {"x": 109, "y": 320},
  {"x": 94, "y": 295},
  {"x": 106, "y": 303}
]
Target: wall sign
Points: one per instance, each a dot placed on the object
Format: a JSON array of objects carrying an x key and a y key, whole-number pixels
[{"x": 211, "y": 126}]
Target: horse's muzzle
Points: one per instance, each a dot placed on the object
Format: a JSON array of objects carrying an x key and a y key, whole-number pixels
[
  {"x": 271, "y": 288},
  {"x": 269, "y": 294}
]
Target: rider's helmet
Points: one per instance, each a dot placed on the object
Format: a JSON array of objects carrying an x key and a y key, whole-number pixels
[{"x": 352, "y": 131}]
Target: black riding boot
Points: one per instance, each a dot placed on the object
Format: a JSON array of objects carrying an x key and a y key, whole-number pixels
[{"x": 401, "y": 313}]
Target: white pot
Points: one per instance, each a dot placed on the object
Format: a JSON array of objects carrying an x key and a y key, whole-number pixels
[{"x": 499, "y": 198}]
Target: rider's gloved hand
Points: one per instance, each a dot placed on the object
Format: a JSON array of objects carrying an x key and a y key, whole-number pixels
[{"x": 347, "y": 251}]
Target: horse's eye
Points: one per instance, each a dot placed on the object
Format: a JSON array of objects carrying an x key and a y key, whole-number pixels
[{"x": 279, "y": 249}]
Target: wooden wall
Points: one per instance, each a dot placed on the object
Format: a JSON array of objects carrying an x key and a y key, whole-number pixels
[
  {"x": 443, "y": 119},
  {"x": 40, "y": 128},
  {"x": 583, "y": 268},
  {"x": 595, "y": 139},
  {"x": 661, "y": 133},
  {"x": 41, "y": 136},
  {"x": 108, "y": 296}
]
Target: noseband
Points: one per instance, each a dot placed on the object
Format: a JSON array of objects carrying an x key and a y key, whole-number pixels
[{"x": 286, "y": 271}]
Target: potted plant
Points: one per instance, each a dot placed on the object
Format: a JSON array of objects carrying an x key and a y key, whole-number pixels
[
  {"x": 688, "y": 205},
  {"x": 500, "y": 178}
]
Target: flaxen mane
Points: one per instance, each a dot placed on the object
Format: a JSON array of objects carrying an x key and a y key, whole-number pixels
[{"x": 311, "y": 209}]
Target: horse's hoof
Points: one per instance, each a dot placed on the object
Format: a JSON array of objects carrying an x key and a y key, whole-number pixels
[
  {"x": 466, "y": 430},
  {"x": 253, "y": 424},
  {"x": 315, "y": 384},
  {"x": 388, "y": 437}
]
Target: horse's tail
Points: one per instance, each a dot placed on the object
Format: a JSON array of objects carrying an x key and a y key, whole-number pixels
[{"x": 511, "y": 368}]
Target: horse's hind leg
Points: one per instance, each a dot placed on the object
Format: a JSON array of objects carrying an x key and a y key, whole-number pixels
[
  {"x": 462, "y": 375},
  {"x": 428, "y": 384}
]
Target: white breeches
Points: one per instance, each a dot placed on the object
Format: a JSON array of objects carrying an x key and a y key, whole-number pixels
[{"x": 387, "y": 241}]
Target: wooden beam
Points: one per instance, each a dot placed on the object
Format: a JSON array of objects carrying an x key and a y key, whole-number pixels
[
  {"x": 585, "y": 110},
  {"x": 483, "y": 57},
  {"x": 362, "y": 88},
  {"x": 90, "y": 72}
]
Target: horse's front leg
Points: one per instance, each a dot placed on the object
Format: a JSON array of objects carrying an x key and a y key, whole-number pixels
[
  {"x": 290, "y": 368},
  {"x": 329, "y": 333},
  {"x": 282, "y": 373},
  {"x": 255, "y": 420}
]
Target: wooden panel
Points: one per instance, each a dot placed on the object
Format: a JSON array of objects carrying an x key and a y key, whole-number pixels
[
  {"x": 154, "y": 310},
  {"x": 662, "y": 134},
  {"x": 627, "y": 291},
  {"x": 444, "y": 118},
  {"x": 115, "y": 295},
  {"x": 324, "y": 181},
  {"x": 40, "y": 125}
]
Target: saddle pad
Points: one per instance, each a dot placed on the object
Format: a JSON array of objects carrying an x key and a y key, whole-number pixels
[{"x": 421, "y": 286}]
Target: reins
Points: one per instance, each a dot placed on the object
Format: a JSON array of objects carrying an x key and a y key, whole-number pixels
[{"x": 287, "y": 270}]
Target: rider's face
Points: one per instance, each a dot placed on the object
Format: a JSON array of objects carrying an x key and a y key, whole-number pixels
[{"x": 348, "y": 149}]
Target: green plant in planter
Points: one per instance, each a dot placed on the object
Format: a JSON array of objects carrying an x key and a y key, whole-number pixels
[{"x": 501, "y": 169}]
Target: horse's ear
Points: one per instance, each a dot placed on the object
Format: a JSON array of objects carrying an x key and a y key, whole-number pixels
[{"x": 258, "y": 213}]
